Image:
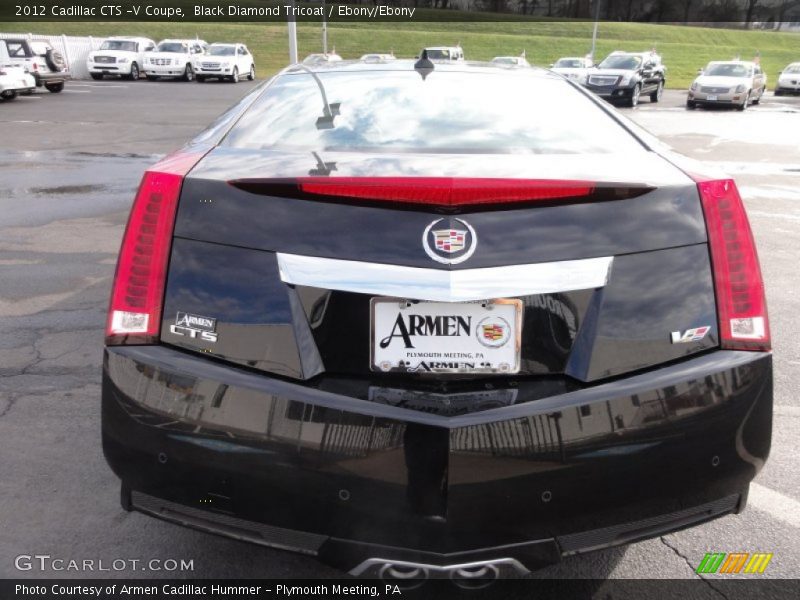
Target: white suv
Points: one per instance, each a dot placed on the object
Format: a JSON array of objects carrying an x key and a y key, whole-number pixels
[
  {"x": 119, "y": 56},
  {"x": 225, "y": 61},
  {"x": 173, "y": 58}
]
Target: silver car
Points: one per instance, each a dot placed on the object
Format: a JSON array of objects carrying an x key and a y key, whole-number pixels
[
  {"x": 788, "y": 80},
  {"x": 736, "y": 83}
]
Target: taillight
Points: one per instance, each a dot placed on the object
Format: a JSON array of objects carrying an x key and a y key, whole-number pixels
[
  {"x": 134, "y": 314},
  {"x": 741, "y": 304}
]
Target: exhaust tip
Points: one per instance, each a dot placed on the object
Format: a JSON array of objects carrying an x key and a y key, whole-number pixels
[{"x": 408, "y": 575}]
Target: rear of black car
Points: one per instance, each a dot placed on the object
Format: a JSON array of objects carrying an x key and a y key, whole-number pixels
[{"x": 427, "y": 323}]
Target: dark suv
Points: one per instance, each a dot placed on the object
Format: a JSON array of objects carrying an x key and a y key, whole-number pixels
[
  {"x": 624, "y": 76},
  {"x": 41, "y": 60}
]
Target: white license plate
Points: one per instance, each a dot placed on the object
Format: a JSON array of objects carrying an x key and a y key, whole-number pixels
[
  {"x": 446, "y": 337},
  {"x": 711, "y": 98}
]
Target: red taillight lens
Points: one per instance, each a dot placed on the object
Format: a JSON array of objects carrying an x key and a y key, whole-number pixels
[
  {"x": 741, "y": 304},
  {"x": 134, "y": 314},
  {"x": 444, "y": 191}
]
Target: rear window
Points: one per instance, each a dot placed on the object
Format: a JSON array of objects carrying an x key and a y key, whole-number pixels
[
  {"x": 173, "y": 47},
  {"x": 221, "y": 50},
  {"x": 728, "y": 70},
  {"x": 118, "y": 45},
  {"x": 448, "y": 112},
  {"x": 621, "y": 62}
]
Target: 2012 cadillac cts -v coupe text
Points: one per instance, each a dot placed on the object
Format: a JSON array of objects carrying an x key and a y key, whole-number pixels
[{"x": 413, "y": 318}]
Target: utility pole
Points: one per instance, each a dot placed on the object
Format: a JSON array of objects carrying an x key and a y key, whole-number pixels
[
  {"x": 292, "y": 27},
  {"x": 324, "y": 29},
  {"x": 596, "y": 20}
]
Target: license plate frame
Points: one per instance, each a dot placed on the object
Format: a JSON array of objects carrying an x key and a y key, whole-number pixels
[
  {"x": 712, "y": 98},
  {"x": 492, "y": 346}
]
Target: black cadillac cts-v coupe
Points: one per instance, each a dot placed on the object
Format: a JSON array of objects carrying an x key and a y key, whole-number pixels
[{"x": 418, "y": 319}]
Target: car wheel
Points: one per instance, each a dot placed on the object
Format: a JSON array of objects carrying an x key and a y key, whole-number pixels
[
  {"x": 745, "y": 104},
  {"x": 633, "y": 101},
  {"x": 235, "y": 76},
  {"x": 8, "y": 95},
  {"x": 54, "y": 87},
  {"x": 778, "y": 92},
  {"x": 252, "y": 74},
  {"x": 134, "y": 74},
  {"x": 656, "y": 96},
  {"x": 691, "y": 104},
  {"x": 96, "y": 76},
  {"x": 188, "y": 73},
  {"x": 200, "y": 78}
]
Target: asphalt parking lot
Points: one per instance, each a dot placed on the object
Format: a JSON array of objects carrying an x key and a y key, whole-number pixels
[{"x": 69, "y": 166}]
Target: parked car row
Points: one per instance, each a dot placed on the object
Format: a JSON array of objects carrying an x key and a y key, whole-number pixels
[{"x": 130, "y": 57}]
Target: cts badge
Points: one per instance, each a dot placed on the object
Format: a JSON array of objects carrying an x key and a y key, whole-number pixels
[
  {"x": 195, "y": 327},
  {"x": 690, "y": 335},
  {"x": 449, "y": 240}
]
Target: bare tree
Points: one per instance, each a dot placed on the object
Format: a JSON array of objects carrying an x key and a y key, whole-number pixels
[
  {"x": 783, "y": 8},
  {"x": 750, "y": 7},
  {"x": 686, "y": 5}
]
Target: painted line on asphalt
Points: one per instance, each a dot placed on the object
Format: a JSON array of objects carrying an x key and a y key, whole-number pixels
[
  {"x": 77, "y": 91},
  {"x": 91, "y": 85},
  {"x": 776, "y": 504},
  {"x": 761, "y": 213},
  {"x": 784, "y": 410}
]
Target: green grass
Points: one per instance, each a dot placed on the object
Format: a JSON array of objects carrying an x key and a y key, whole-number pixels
[{"x": 685, "y": 49}]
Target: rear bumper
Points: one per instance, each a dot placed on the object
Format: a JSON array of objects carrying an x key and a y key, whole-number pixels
[
  {"x": 114, "y": 69},
  {"x": 359, "y": 483},
  {"x": 165, "y": 70},
  {"x": 43, "y": 77},
  {"x": 227, "y": 72},
  {"x": 721, "y": 99},
  {"x": 611, "y": 93}
]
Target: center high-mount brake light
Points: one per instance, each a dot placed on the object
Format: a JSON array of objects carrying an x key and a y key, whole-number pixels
[
  {"x": 444, "y": 191},
  {"x": 447, "y": 193},
  {"x": 741, "y": 304},
  {"x": 134, "y": 313}
]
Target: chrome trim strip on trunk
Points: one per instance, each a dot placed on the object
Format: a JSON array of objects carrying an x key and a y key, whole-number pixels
[{"x": 439, "y": 285}]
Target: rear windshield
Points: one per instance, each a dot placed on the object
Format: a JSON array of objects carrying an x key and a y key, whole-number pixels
[
  {"x": 173, "y": 47},
  {"x": 448, "y": 112},
  {"x": 621, "y": 62},
  {"x": 728, "y": 71},
  {"x": 222, "y": 50},
  {"x": 118, "y": 45},
  {"x": 436, "y": 54},
  {"x": 568, "y": 63}
]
